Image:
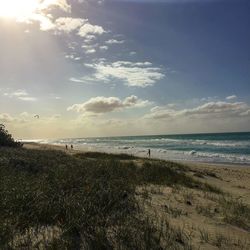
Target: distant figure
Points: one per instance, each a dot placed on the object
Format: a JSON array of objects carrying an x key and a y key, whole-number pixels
[
  {"x": 71, "y": 147},
  {"x": 149, "y": 153},
  {"x": 66, "y": 147}
]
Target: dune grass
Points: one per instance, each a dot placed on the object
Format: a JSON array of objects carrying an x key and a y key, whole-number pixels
[
  {"x": 235, "y": 212},
  {"x": 53, "y": 200},
  {"x": 105, "y": 156}
]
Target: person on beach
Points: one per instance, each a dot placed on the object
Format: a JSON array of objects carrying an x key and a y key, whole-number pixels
[
  {"x": 66, "y": 147},
  {"x": 149, "y": 153},
  {"x": 71, "y": 147}
]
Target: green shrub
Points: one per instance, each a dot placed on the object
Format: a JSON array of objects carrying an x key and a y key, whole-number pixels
[{"x": 6, "y": 139}]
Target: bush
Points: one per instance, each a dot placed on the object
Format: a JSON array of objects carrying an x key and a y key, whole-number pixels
[{"x": 6, "y": 139}]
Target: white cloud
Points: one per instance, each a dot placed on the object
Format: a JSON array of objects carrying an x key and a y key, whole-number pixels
[
  {"x": 54, "y": 96},
  {"x": 114, "y": 41},
  {"x": 89, "y": 29},
  {"x": 72, "y": 45},
  {"x": 70, "y": 57},
  {"x": 20, "y": 95},
  {"x": 102, "y": 104},
  {"x": 68, "y": 24},
  {"x": 17, "y": 93},
  {"x": 231, "y": 97},
  {"x": 97, "y": 1},
  {"x": 6, "y": 118},
  {"x": 62, "y": 4},
  {"x": 78, "y": 80},
  {"x": 82, "y": 80},
  {"x": 212, "y": 109},
  {"x": 89, "y": 38},
  {"x": 139, "y": 74},
  {"x": 90, "y": 51},
  {"x": 27, "y": 98},
  {"x": 207, "y": 99},
  {"x": 26, "y": 117},
  {"x": 45, "y": 21},
  {"x": 103, "y": 47},
  {"x": 89, "y": 48},
  {"x": 20, "y": 118}
]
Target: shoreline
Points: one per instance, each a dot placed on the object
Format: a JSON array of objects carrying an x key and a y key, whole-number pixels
[
  {"x": 87, "y": 148},
  {"x": 220, "y": 148}
]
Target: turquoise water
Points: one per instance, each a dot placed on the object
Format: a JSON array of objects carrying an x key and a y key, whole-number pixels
[{"x": 219, "y": 147}]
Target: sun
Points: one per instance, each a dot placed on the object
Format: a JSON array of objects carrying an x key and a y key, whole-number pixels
[{"x": 18, "y": 9}]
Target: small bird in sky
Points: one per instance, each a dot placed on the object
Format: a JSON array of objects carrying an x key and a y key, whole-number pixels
[{"x": 36, "y": 116}]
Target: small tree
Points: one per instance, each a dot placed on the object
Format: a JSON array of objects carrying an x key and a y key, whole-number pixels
[{"x": 6, "y": 139}]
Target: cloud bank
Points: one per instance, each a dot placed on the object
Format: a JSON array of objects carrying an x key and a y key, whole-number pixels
[
  {"x": 102, "y": 104},
  {"x": 211, "y": 109}
]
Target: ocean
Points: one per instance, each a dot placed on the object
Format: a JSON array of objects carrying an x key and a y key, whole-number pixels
[{"x": 216, "y": 148}]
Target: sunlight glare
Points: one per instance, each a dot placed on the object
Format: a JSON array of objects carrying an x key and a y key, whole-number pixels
[{"x": 18, "y": 9}]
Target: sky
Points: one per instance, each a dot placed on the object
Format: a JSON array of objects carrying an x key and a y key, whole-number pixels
[{"x": 93, "y": 68}]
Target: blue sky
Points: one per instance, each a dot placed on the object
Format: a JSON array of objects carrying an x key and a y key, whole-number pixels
[{"x": 124, "y": 67}]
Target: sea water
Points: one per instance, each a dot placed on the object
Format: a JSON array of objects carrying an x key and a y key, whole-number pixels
[{"x": 217, "y": 148}]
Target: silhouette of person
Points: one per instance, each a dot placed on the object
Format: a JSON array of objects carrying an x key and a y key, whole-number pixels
[
  {"x": 149, "y": 153},
  {"x": 66, "y": 146},
  {"x": 72, "y": 147}
]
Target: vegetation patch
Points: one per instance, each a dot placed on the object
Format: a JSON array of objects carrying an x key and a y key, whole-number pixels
[
  {"x": 105, "y": 156},
  {"x": 160, "y": 173},
  {"x": 235, "y": 212},
  {"x": 6, "y": 140},
  {"x": 53, "y": 200}
]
